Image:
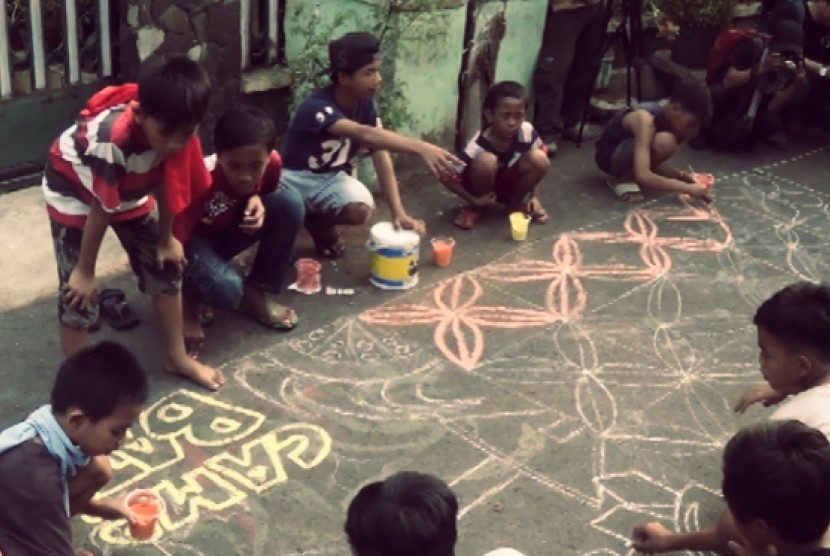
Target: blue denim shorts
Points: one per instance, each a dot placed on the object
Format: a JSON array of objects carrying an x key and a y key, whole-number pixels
[{"x": 326, "y": 193}]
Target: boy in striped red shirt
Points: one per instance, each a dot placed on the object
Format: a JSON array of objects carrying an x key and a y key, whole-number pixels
[{"x": 134, "y": 146}]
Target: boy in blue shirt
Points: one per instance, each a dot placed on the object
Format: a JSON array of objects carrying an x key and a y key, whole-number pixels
[{"x": 329, "y": 128}]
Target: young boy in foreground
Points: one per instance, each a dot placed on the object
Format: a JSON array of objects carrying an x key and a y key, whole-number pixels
[
  {"x": 408, "y": 514},
  {"x": 329, "y": 128},
  {"x": 505, "y": 161},
  {"x": 776, "y": 482},
  {"x": 132, "y": 147},
  {"x": 637, "y": 143},
  {"x": 793, "y": 331},
  {"x": 53, "y": 463}
]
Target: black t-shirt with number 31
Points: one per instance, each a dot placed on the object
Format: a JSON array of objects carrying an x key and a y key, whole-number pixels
[{"x": 308, "y": 143}]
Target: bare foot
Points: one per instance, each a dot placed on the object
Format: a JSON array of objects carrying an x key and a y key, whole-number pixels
[
  {"x": 204, "y": 376},
  {"x": 78, "y": 552}
]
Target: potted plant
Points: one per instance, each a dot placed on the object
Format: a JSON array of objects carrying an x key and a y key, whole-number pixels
[{"x": 699, "y": 22}]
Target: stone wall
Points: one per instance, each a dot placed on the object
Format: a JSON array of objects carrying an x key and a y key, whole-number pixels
[{"x": 207, "y": 30}]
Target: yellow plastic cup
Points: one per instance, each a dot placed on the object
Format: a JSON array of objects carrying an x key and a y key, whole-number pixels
[{"x": 519, "y": 223}]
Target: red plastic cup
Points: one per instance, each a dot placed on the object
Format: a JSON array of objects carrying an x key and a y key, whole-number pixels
[
  {"x": 308, "y": 275},
  {"x": 146, "y": 507}
]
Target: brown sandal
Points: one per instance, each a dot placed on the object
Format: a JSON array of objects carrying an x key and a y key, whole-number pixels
[{"x": 538, "y": 214}]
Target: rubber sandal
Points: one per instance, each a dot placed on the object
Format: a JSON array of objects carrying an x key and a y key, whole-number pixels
[
  {"x": 466, "y": 218},
  {"x": 327, "y": 242},
  {"x": 626, "y": 191},
  {"x": 206, "y": 315},
  {"x": 276, "y": 324},
  {"x": 115, "y": 310},
  {"x": 538, "y": 214}
]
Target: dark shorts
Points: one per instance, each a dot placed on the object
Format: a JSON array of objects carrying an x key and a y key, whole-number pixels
[
  {"x": 139, "y": 237},
  {"x": 616, "y": 160},
  {"x": 505, "y": 183}
]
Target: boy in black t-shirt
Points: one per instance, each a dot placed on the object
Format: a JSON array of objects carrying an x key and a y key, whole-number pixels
[{"x": 329, "y": 128}]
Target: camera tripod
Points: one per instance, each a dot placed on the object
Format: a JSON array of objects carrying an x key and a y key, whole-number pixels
[{"x": 628, "y": 34}]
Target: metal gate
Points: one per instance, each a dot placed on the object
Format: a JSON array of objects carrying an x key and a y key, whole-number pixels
[{"x": 53, "y": 55}]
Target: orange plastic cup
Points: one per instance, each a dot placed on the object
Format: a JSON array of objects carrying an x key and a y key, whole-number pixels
[
  {"x": 706, "y": 180},
  {"x": 442, "y": 250},
  {"x": 145, "y": 507}
]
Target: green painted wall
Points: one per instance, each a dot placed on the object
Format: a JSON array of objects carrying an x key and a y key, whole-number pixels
[
  {"x": 428, "y": 53},
  {"x": 523, "y": 37}
]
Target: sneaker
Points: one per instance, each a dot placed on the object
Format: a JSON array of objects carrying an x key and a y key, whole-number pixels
[
  {"x": 589, "y": 133},
  {"x": 550, "y": 144}
]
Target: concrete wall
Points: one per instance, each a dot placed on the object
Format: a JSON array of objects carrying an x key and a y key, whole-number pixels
[{"x": 207, "y": 30}]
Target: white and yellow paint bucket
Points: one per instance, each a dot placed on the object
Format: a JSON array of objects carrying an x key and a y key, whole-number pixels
[{"x": 394, "y": 256}]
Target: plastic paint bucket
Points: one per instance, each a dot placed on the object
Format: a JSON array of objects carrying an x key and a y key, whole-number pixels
[{"x": 394, "y": 257}]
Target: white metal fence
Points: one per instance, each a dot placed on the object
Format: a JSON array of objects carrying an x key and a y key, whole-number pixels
[
  {"x": 259, "y": 32},
  {"x": 76, "y": 48}
]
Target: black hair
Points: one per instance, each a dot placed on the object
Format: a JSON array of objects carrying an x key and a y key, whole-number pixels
[
  {"x": 97, "y": 379},
  {"x": 799, "y": 315},
  {"x": 694, "y": 98},
  {"x": 779, "y": 471},
  {"x": 408, "y": 514},
  {"x": 243, "y": 125},
  {"x": 174, "y": 90},
  {"x": 351, "y": 52},
  {"x": 502, "y": 90}
]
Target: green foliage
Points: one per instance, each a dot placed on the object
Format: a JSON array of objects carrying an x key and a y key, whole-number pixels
[
  {"x": 698, "y": 14},
  {"x": 390, "y": 21}
]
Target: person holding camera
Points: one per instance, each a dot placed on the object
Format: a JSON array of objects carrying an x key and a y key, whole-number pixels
[
  {"x": 817, "y": 62},
  {"x": 759, "y": 80}
]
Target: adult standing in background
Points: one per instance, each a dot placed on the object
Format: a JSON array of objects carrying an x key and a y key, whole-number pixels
[
  {"x": 564, "y": 75},
  {"x": 817, "y": 61}
]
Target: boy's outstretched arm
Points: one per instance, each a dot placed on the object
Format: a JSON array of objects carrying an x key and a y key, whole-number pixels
[
  {"x": 169, "y": 248},
  {"x": 764, "y": 393},
  {"x": 82, "y": 285},
  {"x": 389, "y": 184},
  {"x": 438, "y": 160}
]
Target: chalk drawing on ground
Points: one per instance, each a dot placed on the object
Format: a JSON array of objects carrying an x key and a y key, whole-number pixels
[{"x": 585, "y": 369}]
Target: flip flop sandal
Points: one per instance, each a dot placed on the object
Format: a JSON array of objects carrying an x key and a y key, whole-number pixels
[
  {"x": 276, "y": 324},
  {"x": 626, "y": 191},
  {"x": 466, "y": 218},
  {"x": 206, "y": 315},
  {"x": 538, "y": 215},
  {"x": 115, "y": 310},
  {"x": 327, "y": 242}
]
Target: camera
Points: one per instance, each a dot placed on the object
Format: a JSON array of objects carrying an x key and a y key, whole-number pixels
[{"x": 781, "y": 77}]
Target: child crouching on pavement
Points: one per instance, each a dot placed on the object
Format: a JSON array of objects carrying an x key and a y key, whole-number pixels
[
  {"x": 54, "y": 462},
  {"x": 243, "y": 206},
  {"x": 506, "y": 160},
  {"x": 637, "y": 143},
  {"x": 793, "y": 331}
]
